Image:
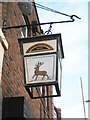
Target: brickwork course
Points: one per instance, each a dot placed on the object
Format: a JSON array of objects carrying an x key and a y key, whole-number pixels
[{"x": 12, "y": 73}]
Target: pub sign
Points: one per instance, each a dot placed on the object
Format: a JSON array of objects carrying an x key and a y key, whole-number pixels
[{"x": 42, "y": 56}]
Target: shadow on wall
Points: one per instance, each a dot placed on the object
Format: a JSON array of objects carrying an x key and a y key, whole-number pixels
[{"x": 16, "y": 108}]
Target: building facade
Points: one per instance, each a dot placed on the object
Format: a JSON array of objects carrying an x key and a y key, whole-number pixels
[{"x": 12, "y": 90}]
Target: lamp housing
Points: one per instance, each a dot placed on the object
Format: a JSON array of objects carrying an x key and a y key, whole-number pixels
[
  {"x": 25, "y": 7},
  {"x": 42, "y": 62}
]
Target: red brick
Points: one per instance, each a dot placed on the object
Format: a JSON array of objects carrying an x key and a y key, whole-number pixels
[{"x": 12, "y": 74}]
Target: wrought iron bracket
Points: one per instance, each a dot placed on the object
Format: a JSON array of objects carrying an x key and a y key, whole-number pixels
[{"x": 72, "y": 19}]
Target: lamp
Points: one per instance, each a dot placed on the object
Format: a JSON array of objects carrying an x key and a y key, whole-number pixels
[
  {"x": 25, "y": 7},
  {"x": 42, "y": 57}
]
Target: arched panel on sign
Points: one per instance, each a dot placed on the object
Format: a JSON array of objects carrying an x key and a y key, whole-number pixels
[{"x": 40, "y": 47}]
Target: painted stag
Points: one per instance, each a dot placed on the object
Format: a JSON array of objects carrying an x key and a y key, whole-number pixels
[{"x": 37, "y": 72}]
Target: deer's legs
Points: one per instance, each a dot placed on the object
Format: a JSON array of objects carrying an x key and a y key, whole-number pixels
[
  {"x": 33, "y": 76},
  {"x": 47, "y": 76},
  {"x": 43, "y": 77},
  {"x": 36, "y": 77}
]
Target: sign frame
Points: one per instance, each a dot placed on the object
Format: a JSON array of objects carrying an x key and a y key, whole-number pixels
[{"x": 36, "y": 52}]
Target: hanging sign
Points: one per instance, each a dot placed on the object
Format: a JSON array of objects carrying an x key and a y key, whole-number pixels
[{"x": 42, "y": 60}]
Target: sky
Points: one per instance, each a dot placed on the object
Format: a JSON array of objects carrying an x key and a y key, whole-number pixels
[{"x": 75, "y": 45}]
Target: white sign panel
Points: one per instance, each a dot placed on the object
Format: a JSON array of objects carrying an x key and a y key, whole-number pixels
[{"x": 40, "y": 69}]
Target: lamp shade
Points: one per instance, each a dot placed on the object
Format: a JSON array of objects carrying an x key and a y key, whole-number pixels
[{"x": 25, "y": 7}]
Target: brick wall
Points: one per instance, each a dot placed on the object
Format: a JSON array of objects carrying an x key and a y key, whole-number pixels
[
  {"x": 12, "y": 76},
  {"x": 0, "y": 14},
  {"x": 12, "y": 73}
]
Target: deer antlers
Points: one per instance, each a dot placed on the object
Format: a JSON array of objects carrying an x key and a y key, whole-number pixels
[{"x": 39, "y": 64}]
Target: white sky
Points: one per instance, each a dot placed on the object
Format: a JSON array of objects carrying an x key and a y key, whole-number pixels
[{"x": 75, "y": 45}]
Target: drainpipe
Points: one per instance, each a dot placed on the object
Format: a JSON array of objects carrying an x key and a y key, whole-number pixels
[{"x": 58, "y": 112}]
